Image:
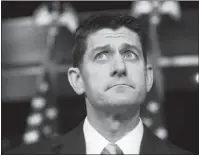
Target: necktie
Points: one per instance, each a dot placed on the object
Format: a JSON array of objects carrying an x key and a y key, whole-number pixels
[{"x": 111, "y": 149}]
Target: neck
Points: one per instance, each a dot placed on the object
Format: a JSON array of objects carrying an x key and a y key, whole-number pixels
[{"x": 113, "y": 126}]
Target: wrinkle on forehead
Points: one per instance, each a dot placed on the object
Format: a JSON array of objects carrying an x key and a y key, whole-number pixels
[
  {"x": 121, "y": 35},
  {"x": 120, "y": 31}
]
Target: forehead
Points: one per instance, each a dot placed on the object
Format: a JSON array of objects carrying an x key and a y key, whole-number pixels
[{"x": 116, "y": 38}]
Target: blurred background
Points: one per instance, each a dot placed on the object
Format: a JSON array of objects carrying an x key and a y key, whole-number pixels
[{"x": 37, "y": 101}]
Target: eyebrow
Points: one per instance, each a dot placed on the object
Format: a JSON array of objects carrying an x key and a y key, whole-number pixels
[
  {"x": 131, "y": 47},
  {"x": 101, "y": 47}
]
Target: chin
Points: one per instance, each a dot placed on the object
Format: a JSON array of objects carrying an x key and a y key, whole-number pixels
[
  {"x": 118, "y": 103},
  {"x": 124, "y": 99}
]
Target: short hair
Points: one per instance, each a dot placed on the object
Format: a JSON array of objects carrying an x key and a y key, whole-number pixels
[{"x": 97, "y": 22}]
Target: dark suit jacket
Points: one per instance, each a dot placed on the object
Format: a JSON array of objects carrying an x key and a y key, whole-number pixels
[{"x": 74, "y": 143}]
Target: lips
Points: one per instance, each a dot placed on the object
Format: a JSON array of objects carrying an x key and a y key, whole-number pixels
[{"x": 120, "y": 84}]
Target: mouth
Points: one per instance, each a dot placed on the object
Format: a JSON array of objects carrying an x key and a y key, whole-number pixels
[{"x": 119, "y": 85}]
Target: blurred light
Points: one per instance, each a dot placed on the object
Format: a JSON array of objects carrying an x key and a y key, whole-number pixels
[
  {"x": 153, "y": 107},
  {"x": 43, "y": 87},
  {"x": 31, "y": 137},
  {"x": 69, "y": 18},
  {"x": 53, "y": 31},
  {"x": 38, "y": 102},
  {"x": 176, "y": 61},
  {"x": 141, "y": 7},
  {"x": 46, "y": 130},
  {"x": 35, "y": 119},
  {"x": 147, "y": 121},
  {"x": 197, "y": 77},
  {"x": 51, "y": 113},
  {"x": 161, "y": 133},
  {"x": 172, "y": 8},
  {"x": 155, "y": 20},
  {"x": 164, "y": 7},
  {"x": 42, "y": 16}
]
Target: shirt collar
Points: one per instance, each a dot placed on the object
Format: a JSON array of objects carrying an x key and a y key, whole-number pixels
[
  {"x": 129, "y": 144},
  {"x": 95, "y": 142}
]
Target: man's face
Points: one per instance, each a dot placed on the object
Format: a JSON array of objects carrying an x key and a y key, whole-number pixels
[{"x": 113, "y": 69}]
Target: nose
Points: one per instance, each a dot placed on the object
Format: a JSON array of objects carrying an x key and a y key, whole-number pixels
[{"x": 118, "y": 66}]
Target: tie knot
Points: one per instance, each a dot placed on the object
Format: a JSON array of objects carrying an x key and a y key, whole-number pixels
[{"x": 112, "y": 148}]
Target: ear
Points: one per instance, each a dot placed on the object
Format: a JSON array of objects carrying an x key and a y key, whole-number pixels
[
  {"x": 75, "y": 80},
  {"x": 149, "y": 77}
]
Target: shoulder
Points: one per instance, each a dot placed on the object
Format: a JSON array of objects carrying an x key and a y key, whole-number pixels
[
  {"x": 151, "y": 144},
  {"x": 173, "y": 149},
  {"x": 170, "y": 147}
]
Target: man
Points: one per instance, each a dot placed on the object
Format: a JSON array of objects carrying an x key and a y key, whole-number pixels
[{"x": 110, "y": 68}]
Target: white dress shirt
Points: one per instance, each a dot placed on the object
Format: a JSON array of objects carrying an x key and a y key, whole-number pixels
[{"x": 129, "y": 144}]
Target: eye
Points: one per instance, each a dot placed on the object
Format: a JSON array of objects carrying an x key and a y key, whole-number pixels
[
  {"x": 102, "y": 56},
  {"x": 129, "y": 54}
]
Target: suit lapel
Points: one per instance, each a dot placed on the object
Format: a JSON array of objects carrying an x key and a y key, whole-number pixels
[
  {"x": 74, "y": 142},
  {"x": 151, "y": 144}
]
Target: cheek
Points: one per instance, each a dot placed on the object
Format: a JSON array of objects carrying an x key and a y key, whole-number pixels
[
  {"x": 95, "y": 77},
  {"x": 137, "y": 75}
]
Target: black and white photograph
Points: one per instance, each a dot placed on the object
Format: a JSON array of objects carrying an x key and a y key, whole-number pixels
[{"x": 99, "y": 77}]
